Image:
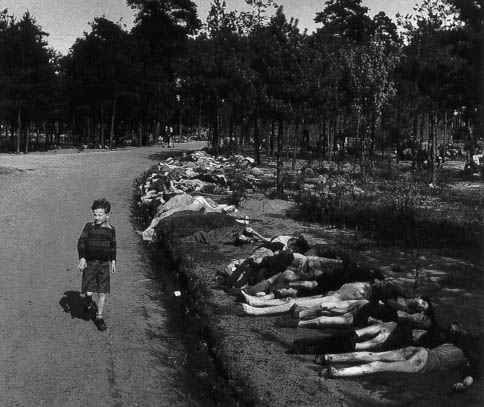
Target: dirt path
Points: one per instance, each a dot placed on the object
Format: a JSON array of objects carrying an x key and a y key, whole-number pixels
[{"x": 50, "y": 357}]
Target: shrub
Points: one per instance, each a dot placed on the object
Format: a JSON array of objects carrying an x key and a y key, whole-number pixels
[{"x": 399, "y": 210}]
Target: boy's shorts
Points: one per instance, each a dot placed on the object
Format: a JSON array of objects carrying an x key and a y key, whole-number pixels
[{"x": 96, "y": 277}]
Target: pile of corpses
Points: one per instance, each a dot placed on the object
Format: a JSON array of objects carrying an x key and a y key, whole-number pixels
[
  {"x": 366, "y": 324},
  {"x": 192, "y": 183},
  {"x": 363, "y": 320}
]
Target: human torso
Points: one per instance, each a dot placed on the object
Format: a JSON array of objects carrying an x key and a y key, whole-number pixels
[{"x": 99, "y": 242}]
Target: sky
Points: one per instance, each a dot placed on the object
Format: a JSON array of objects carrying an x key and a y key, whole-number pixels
[{"x": 66, "y": 20}]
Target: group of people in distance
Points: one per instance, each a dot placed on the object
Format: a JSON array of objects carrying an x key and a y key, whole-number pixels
[{"x": 370, "y": 325}]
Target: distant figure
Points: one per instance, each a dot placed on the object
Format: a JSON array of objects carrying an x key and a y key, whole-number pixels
[
  {"x": 166, "y": 137},
  {"x": 171, "y": 139},
  {"x": 97, "y": 251}
]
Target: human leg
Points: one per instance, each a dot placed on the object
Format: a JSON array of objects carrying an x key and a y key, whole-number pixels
[
  {"x": 325, "y": 322},
  {"x": 88, "y": 287},
  {"x": 100, "y": 304},
  {"x": 104, "y": 286},
  {"x": 262, "y": 286},
  {"x": 264, "y": 301},
  {"x": 401, "y": 366},
  {"x": 101, "y": 325},
  {"x": 377, "y": 336},
  {"x": 275, "y": 310},
  {"x": 359, "y": 357},
  {"x": 328, "y": 308}
]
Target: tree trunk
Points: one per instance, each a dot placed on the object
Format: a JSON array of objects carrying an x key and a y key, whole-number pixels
[
  {"x": 199, "y": 124},
  {"x": 57, "y": 132},
  {"x": 27, "y": 138},
  {"x": 19, "y": 130},
  {"x": 216, "y": 136},
  {"x": 271, "y": 145},
  {"x": 102, "y": 125},
  {"x": 294, "y": 144},
  {"x": 422, "y": 125},
  {"x": 180, "y": 122},
  {"x": 433, "y": 126},
  {"x": 280, "y": 161},
  {"x": 113, "y": 116},
  {"x": 140, "y": 132},
  {"x": 256, "y": 138}
]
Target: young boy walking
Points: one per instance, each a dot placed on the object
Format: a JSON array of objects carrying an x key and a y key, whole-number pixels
[{"x": 97, "y": 252}]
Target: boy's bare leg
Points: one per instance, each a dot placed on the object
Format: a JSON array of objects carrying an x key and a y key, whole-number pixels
[
  {"x": 89, "y": 305},
  {"x": 100, "y": 303}
]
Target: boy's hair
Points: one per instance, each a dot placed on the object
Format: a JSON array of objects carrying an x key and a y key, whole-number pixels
[{"x": 101, "y": 204}]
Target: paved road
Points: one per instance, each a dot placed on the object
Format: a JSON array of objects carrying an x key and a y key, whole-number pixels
[{"x": 50, "y": 357}]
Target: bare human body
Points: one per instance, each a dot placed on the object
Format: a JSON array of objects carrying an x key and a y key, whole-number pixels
[{"x": 460, "y": 350}]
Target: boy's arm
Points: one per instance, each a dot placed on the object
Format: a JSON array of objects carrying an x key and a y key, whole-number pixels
[
  {"x": 82, "y": 242},
  {"x": 82, "y": 246},
  {"x": 113, "y": 251},
  {"x": 82, "y": 264}
]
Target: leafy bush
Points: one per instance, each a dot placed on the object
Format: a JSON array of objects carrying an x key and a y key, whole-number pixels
[{"x": 398, "y": 210}]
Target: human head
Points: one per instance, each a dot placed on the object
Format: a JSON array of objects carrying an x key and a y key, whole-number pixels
[
  {"x": 101, "y": 209},
  {"x": 242, "y": 239},
  {"x": 418, "y": 304},
  {"x": 101, "y": 203},
  {"x": 298, "y": 244}
]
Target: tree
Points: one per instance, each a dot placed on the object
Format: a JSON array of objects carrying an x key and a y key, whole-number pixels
[
  {"x": 428, "y": 68},
  {"x": 164, "y": 25},
  {"x": 27, "y": 73},
  {"x": 162, "y": 29},
  {"x": 466, "y": 40},
  {"x": 345, "y": 20},
  {"x": 101, "y": 72}
]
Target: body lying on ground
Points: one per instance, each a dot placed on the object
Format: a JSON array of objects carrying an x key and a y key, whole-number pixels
[
  {"x": 284, "y": 268},
  {"x": 378, "y": 336},
  {"x": 415, "y": 312},
  {"x": 358, "y": 290},
  {"x": 179, "y": 203},
  {"x": 459, "y": 350}
]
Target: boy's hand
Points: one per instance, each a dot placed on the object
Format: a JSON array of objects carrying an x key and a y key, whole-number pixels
[
  {"x": 82, "y": 264},
  {"x": 113, "y": 267}
]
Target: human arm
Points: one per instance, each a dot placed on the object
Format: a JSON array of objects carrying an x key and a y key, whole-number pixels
[
  {"x": 417, "y": 320},
  {"x": 82, "y": 245},
  {"x": 82, "y": 264},
  {"x": 113, "y": 248},
  {"x": 252, "y": 233}
]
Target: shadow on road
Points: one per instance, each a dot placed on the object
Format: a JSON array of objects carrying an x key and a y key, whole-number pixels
[{"x": 73, "y": 303}]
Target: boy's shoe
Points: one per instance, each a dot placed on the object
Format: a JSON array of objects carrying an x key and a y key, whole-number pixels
[
  {"x": 101, "y": 325},
  {"x": 89, "y": 311}
]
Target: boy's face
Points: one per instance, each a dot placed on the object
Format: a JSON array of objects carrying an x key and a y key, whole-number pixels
[{"x": 100, "y": 216}]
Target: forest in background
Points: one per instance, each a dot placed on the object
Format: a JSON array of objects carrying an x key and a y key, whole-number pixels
[{"x": 358, "y": 83}]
